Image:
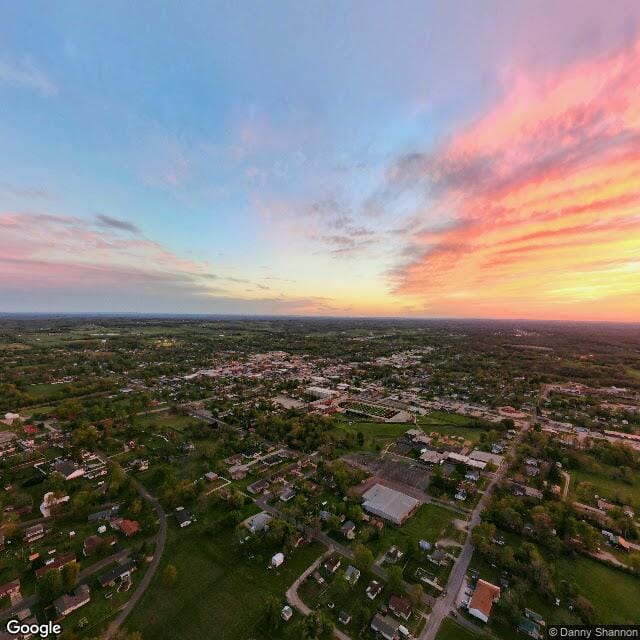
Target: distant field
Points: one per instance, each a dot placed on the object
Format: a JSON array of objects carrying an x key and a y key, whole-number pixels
[
  {"x": 451, "y": 424},
  {"x": 166, "y": 419},
  {"x": 375, "y": 433},
  {"x": 219, "y": 592},
  {"x": 450, "y": 630}
]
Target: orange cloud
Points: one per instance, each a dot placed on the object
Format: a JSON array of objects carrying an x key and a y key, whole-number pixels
[{"x": 545, "y": 195}]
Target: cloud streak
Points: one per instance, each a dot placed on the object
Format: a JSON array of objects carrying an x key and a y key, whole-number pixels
[{"x": 514, "y": 201}]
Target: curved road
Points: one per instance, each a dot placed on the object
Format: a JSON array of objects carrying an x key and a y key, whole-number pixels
[{"x": 160, "y": 539}]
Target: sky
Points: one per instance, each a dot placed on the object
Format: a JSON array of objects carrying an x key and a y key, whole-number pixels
[{"x": 421, "y": 159}]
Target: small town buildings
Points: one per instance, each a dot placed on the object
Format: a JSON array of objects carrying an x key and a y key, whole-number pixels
[
  {"x": 93, "y": 543},
  {"x": 530, "y": 628},
  {"x": 352, "y": 575},
  {"x": 105, "y": 514},
  {"x": 481, "y": 602},
  {"x": 386, "y": 626},
  {"x": 211, "y": 476},
  {"x": 68, "y": 470},
  {"x": 286, "y": 613},
  {"x": 127, "y": 527},
  {"x": 8, "y": 442},
  {"x": 10, "y": 589},
  {"x": 33, "y": 533},
  {"x": 394, "y": 555},
  {"x": 348, "y": 530},
  {"x": 183, "y": 517},
  {"x": 259, "y": 522},
  {"x": 332, "y": 564},
  {"x": 389, "y": 504},
  {"x": 258, "y": 487},
  {"x": 120, "y": 572},
  {"x": 374, "y": 589},
  {"x": 277, "y": 560},
  {"x": 65, "y": 604},
  {"x": 400, "y": 606},
  {"x": 56, "y": 564},
  {"x": 344, "y": 617},
  {"x": 287, "y": 494}
]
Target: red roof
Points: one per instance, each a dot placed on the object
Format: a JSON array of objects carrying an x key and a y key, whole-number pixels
[
  {"x": 484, "y": 597},
  {"x": 128, "y": 527},
  {"x": 58, "y": 563}
]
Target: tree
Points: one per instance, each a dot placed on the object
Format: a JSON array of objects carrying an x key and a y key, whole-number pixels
[
  {"x": 395, "y": 581},
  {"x": 69, "y": 575},
  {"x": 170, "y": 575},
  {"x": 50, "y": 586},
  {"x": 363, "y": 558},
  {"x": 272, "y": 612}
]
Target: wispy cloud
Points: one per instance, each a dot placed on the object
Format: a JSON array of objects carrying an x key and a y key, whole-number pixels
[
  {"x": 117, "y": 223},
  {"x": 512, "y": 203},
  {"x": 26, "y": 74}
]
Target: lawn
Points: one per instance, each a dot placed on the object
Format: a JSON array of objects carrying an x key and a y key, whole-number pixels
[
  {"x": 608, "y": 487},
  {"x": 614, "y": 595},
  {"x": 429, "y": 523},
  {"x": 450, "y": 630},
  {"x": 219, "y": 592},
  {"x": 451, "y": 424},
  {"x": 375, "y": 433}
]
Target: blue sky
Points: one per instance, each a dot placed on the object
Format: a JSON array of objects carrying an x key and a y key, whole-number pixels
[{"x": 248, "y": 147}]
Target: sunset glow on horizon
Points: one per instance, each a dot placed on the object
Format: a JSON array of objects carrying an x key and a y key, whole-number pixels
[{"x": 365, "y": 160}]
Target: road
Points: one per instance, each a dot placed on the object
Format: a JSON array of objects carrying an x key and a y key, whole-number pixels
[
  {"x": 160, "y": 540},
  {"x": 445, "y": 603}
]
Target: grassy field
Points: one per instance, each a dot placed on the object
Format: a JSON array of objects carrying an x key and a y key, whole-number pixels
[
  {"x": 608, "y": 488},
  {"x": 219, "y": 592},
  {"x": 375, "y": 433},
  {"x": 451, "y": 424},
  {"x": 614, "y": 595},
  {"x": 428, "y": 523},
  {"x": 166, "y": 419},
  {"x": 450, "y": 630}
]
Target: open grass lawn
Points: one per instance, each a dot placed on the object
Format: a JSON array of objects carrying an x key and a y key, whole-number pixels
[
  {"x": 608, "y": 488},
  {"x": 375, "y": 433},
  {"x": 451, "y": 630},
  {"x": 219, "y": 592},
  {"x": 429, "y": 523},
  {"x": 451, "y": 424},
  {"x": 167, "y": 420},
  {"x": 614, "y": 595}
]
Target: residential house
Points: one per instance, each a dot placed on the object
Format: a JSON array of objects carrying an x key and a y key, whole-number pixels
[
  {"x": 120, "y": 572},
  {"x": 68, "y": 470},
  {"x": 183, "y": 517},
  {"x": 481, "y": 602},
  {"x": 400, "y": 606},
  {"x": 56, "y": 564},
  {"x": 33, "y": 533},
  {"x": 333, "y": 564},
  {"x": 386, "y": 626},
  {"x": 344, "y": 617},
  {"x": 93, "y": 543},
  {"x": 65, "y": 604},
  {"x": 352, "y": 575},
  {"x": 374, "y": 589},
  {"x": 348, "y": 530},
  {"x": 127, "y": 527}
]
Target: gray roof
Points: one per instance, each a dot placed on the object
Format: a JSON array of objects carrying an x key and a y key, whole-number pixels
[{"x": 389, "y": 503}]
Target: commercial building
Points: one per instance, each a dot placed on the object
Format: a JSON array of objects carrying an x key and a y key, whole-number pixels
[{"x": 389, "y": 504}]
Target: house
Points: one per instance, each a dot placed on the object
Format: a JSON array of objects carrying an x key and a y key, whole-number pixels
[
  {"x": 386, "y": 626},
  {"x": 389, "y": 504},
  {"x": 8, "y": 441},
  {"x": 34, "y": 533},
  {"x": 56, "y": 564},
  {"x": 127, "y": 527},
  {"x": 620, "y": 542},
  {"x": 105, "y": 514},
  {"x": 258, "y": 487},
  {"x": 68, "y": 470},
  {"x": 93, "y": 543},
  {"x": 374, "y": 589},
  {"x": 472, "y": 475},
  {"x": 333, "y": 564},
  {"x": 536, "y": 617},
  {"x": 238, "y": 472},
  {"x": 183, "y": 517},
  {"x": 120, "y": 572},
  {"x": 277, "y": 560},
  {"x": 259, "y": 522},
  {"x": 424, "y": 545},
  {"x": 461, "y": 495},
  {"x": 211, "y": 476},
  {"x": 318, "y": 578},
  {"x": 481, "y": 602},
  {"x": 286, "y": 613},
  {"x": 400, "y": 606},
  {"x": 394, "y": 554},
  {"x": 65, "y": 604},
  {"x": 352, "y": 575},
  {"x": 348, "y": 530},
  {"x": 344, "y": 617},
  {"x": 530, "y": 628},
  {"x": 439, "y": 557},
  {"x": 10, "y": 589},
  {"x": 287, "y": 494}
]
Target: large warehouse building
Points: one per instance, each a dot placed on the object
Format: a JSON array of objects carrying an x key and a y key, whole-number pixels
[{"x": 389, "y": 504}]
